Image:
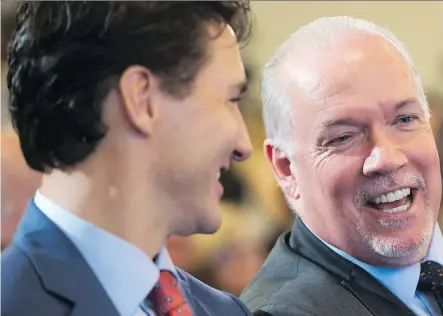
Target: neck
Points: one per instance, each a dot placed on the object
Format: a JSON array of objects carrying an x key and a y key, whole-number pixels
[{"x": 107, "y": 197}]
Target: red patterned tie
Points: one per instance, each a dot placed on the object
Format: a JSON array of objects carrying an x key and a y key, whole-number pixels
[{"x": 168, "y": 299}]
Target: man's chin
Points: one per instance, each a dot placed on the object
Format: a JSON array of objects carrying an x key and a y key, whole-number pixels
[
  {"x": 210, "y": 224},
  {"x": 207, "y": 221},
  {"x": 398, "y": 241},
  {"x": 203, "y": 218},
  {"x": 399, "y": 252}
]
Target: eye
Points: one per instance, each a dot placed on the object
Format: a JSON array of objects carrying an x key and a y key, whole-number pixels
[
  {"x": 405, "y": 119},
  {"x": 235, "y": 100},
  {"x": 339, "y": 140}
]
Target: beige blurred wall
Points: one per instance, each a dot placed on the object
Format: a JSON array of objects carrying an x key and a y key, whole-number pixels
[{"x": 419, "y": 24}]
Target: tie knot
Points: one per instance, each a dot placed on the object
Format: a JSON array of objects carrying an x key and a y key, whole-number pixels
[
  {"x": 431, "y": 277},
  {"x": 167, "y": 279}
]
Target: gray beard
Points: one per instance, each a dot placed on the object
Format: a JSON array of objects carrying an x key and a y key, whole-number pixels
[{"x": 393, "y": 248}]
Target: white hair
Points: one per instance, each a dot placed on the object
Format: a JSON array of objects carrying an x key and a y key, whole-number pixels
[{"x": 319, "y": 35}]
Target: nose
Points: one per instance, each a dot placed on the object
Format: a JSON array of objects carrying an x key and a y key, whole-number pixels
[
  {"x": 386, "y": 157},
  {"x": 243, "y": 149}
]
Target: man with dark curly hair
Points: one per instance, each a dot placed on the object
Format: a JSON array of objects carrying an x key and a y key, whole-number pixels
[{"x": 130, "y": 111}]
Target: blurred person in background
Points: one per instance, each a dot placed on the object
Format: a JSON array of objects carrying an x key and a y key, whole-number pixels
[
  {"x": 350, "y": 144},
  {"x": 237, "y": 263},
  {"x": 130, "y": 111}
]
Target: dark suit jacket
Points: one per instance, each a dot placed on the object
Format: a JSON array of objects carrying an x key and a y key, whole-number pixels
[
  {"x": 302, "y": 276},
  {"x": 43, "y": 274}
]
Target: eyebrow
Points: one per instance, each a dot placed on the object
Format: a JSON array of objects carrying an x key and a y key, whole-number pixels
[
  {"x": 343, "y": 121},
  {"x": 404, "y": 103},
  {"x": 346, "y": 121}
]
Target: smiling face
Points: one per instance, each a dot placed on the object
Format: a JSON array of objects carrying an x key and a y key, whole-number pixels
[
  {"x": 198, "y": 136},
  {"x": 365, "y": 169}
]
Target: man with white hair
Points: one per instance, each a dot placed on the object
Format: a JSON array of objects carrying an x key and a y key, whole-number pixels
[{"x": 350, "y": 144}]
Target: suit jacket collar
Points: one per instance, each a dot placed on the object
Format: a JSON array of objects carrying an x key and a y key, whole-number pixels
[
  {"x": 356, "y": 280},
  {"x": 60, "y": 265},
  {"x": 192, "y": 300}
]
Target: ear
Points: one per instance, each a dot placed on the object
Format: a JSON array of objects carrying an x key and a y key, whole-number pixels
[
  {"x": 282, "y": 168},
  {"x": 137, "y": 86}
]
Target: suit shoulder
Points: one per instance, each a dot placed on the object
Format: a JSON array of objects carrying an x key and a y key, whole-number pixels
[
  {"x": 21, "y": 283},
  {"x": 295, "y": 287},
  {"x": 17, "y": 271},
  {"x": 211, "y": 300}
]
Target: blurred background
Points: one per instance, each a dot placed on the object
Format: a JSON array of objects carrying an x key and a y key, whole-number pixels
[{"x": 254, "y": 210}]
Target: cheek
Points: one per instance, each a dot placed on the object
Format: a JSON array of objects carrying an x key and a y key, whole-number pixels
[
  {"x": 210, "y": 131},
  {"x": 335, "y": 178},
  {"x": 224, "y": 125},
  {"x": 343, "y": 172},
  {"x": 423, "y": 156}
]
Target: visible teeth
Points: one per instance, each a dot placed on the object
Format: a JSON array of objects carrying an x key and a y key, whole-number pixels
[
  {"x": 398, "y": 209},
  {"x": 392, "y": 196},
  {"x": 399, "y": 195},
  {"x": 218, "y": 175}
]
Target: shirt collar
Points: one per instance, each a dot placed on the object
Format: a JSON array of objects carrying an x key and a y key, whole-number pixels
[
  {"x": 402, "y": 282},
  {"x": 127, "y": 274}
]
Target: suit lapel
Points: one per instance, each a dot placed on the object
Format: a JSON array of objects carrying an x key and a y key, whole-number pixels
[
  {"x": 61, "y": 267},
  {"x": 371, "y": 296},
  {"x": 356, "y": 280},
  {"x": 184, "y": 287}
]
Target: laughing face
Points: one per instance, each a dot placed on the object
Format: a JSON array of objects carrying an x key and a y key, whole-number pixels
[{"x": 365, "y": 172}]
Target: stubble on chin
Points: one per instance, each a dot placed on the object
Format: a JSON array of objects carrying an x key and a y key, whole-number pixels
[{"x": 398, "y": 252}]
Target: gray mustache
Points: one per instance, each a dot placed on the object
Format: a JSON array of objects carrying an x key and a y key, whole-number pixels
[{"x": 383, "y": 183}]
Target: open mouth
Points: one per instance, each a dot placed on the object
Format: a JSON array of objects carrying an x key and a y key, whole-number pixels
[{"x": 393, "y": 202}]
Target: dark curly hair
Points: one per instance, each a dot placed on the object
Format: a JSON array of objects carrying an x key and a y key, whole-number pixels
[{"x": 64, "y": 57}]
